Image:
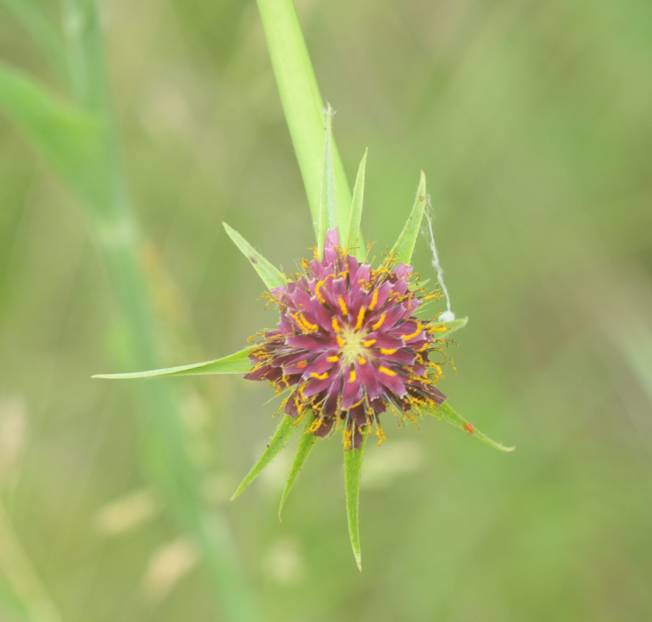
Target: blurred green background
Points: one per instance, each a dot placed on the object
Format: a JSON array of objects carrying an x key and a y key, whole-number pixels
[{"x": 532, "y": 121}]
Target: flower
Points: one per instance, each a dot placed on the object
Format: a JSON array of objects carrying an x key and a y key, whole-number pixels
[{"x": 348, "y": 345}]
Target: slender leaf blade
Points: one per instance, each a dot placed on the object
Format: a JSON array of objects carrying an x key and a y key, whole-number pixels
[
  {"x": 302, "y": 105},
  {"x": 304, "y": 448},
  {"x": 353, "y": 235},
  {"x": 404, "y": 246},
  {"x": 448, "y": 414},
  {"x": 275, "y": 444},
  {"x": 267, "y": 271},
  {"x": 236, "y": 363},
  {"x": 352, "y": 470}
]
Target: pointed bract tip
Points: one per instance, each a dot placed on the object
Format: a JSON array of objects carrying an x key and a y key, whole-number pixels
[{"x": 358, "y": 562}]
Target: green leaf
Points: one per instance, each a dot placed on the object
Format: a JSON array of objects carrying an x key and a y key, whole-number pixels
[
  {"x": 353, "y": 238},
  {"x": 352, "y": 469},
  {"x": 303, "y": 106},
  {"x": 236, "y": 363},
  {"x": 327, "y": 219},
  {"x": 404, "y": 246},
  {"x": 304, "y": 448},
  {"x": 278, "y": 441},
  {"x": 72, "y": 140},
  {"x": 446, "y": 412},
  {"x": 270, "y": 274}
]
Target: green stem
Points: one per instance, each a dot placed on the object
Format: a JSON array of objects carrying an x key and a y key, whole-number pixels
[{"x": 119, "y": 240}]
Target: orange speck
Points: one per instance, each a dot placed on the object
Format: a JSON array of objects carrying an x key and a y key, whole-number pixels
[{"x": 469, "y": 427}]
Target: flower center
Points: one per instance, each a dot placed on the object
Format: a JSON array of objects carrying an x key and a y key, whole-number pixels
[{"x": 353, "y": 345}]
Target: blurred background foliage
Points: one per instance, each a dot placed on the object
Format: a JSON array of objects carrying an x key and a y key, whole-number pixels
[{"x": 532, "y": 122}]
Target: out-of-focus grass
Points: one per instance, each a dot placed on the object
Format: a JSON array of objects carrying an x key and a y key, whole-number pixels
[{"x": 531, "y": 121}]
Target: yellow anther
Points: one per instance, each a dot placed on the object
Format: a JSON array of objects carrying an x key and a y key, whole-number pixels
[
  {"x": 309, "y": 325},
  {"x": 362, "y": 361},
  {"x": 317, "y": 376},
  {"x": 333, "y": 359},
  {"x": 416, "y": 333},
  {"x": 315, "y": 425},
  {"x": 388, "y": 351},
  {"x": 385, "y": 370},
  {"x": 335, "y": 324},
  {"x": 345, "y": 309},
  {"x": 340, "y": 342},
  {"x": 368, "y": 343},
  {"x": 318, "y": 293},
  {"x": 353, "y": 376},
  {"x": 439, "y": 328},
  {"x": 380, "y": 322},
  {"x": 380, "y": 435},
  {"x": 374, "y": 300},
  {"x": 358, "y": 324}
]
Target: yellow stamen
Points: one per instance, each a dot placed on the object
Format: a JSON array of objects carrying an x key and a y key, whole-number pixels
[
  {"x": 380, "y": 322},
  {"x": 340, "y": 301},
  {"x": 352, "y": 376},
  {"x": 335, "y": 324},
  {"x": 319, "y": 376},
  {"x": 340, "y": 342},
  {"x": 368, "y": 343},
  {"x": 315, "y": 425},
  {"x": 362, "y": 361},
  {"x": 388, "y": 351},
  {"x": 358, "y": 324},
  {"x": 318, "y": 293},
  {"x": 374, "y": 300},
  {"x": 416, "y": 333},
  {"x": 333, "y": 359},
  {"x": 309, "y": 325},
  {"x": 385, "y": 370}
]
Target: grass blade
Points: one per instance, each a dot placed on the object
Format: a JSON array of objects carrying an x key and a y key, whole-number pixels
[
  {"x": 448, "y": 414},
  {"x": 70, "y": 138},
  {"x": 270, "y": 274},
  {"x": 302, "y": 105},
  {"x": 304, "y": 448},
  {"x": 236, "y": 363},
  {"x": 278, "y": 441},
  {"x": 352, "y": 469},
  {"x": 404, "y": 246},
  {"x": 353, "y": 234}
]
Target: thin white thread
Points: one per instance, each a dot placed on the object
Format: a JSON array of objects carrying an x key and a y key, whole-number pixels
[{"x": 448, "y": 315}]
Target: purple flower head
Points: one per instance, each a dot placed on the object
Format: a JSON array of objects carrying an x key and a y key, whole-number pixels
[{"x": 348, "y": 346}]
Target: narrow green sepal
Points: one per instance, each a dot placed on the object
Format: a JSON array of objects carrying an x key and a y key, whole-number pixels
[
  {"x": 352, "y": 470},
  {"x": 304, "y": 448},
  {"x": 447, "y": 328},
  {"x": 275, "y": 444},
  {"x": 448, "y": 414},
  {"x": 267, "y": 271},
  {"x": 236, "y": 363},
  {"x": 353, "y": 239},
  {"x": 404, "y": 246},
  {"x": 327, "y": 218}
]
